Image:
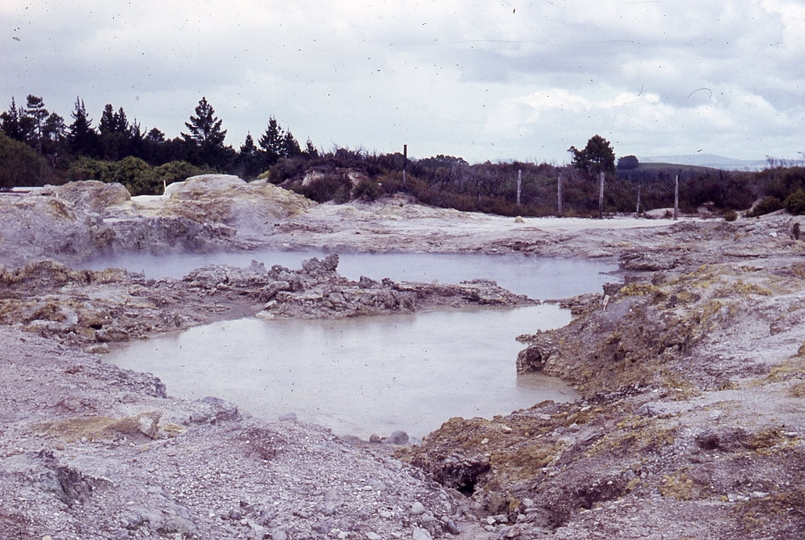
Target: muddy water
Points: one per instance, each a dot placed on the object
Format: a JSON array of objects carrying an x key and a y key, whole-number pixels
[
  {"x": 370, "y": 375},
  {"x": 358, "y": 376},
  {"x": 538, "y": 277}
]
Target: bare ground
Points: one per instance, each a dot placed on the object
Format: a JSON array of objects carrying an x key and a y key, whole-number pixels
[{"x": 690, "y": 425}]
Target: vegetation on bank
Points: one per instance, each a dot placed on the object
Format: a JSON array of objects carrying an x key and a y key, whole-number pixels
[{"x": 38, "y": 147}]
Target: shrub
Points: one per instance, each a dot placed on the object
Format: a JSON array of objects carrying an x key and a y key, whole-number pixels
[
  {"x": 730, "y": 215},
  {"x": 284, "y": 169},
  {"x": 327, "y": 188},
  {"x": 367, "y": 189},
  {"x": 174, "y": 171},
  {"x": 20, "y": 165},
  {"x": 89, "y": 169},
  {"x": 134, "y": 173},
  {"x": 795, "y": 203},
  {"x": 767, "y": 206}
]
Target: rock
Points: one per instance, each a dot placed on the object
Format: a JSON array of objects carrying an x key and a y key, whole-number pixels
[
  {"x": 398, "y": 437},
  {"x": 417, "y": 509},
  {"x": 219, "y": 410},
  {"x": 278, "y": 534},
  {"x": 374, "y": 438},
  {"x": 373, "y": 536},
  {"x": 111, "y": 335},
  {"x": 420, "y": 534},
  {"x": 450, "y": 526}
]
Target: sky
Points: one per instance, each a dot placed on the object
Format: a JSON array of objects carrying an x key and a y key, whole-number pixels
[{"x": 497, "y": 80}]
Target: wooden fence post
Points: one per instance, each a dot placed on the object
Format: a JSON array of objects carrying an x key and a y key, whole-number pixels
[
  {"x": 601, "y": 196},
  {"x": 559, "y": 195},
  {"x": 519, "y": 185},
  {"x": 405, "y": 161},
  {"x": 676, "y": 198}
]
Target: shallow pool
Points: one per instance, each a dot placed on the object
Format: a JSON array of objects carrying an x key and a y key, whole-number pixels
[
  {"x": 362, "y": 375},
  {"x": 538, "y": 277}
]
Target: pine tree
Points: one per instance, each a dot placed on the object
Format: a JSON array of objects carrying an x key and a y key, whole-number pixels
[
  {"x": 155, "y": 136},
  {"x": 108, "y": 121},
  {"x": 273, "y": 142},
  {"x": 80, "y": 135},
  {"x": 11, "y": 122},
  {"x": 54, "y": 128},
  {"x": 122, "y": 123},
  {"x": 205, "y": 128},
  {"x": 206, "y": 138},
  {"x": 310, "y": 151},
  {"x": 248, "y": 148},
  {"x": 36, "y": 111},
  {"x": 290, "y": 146}
]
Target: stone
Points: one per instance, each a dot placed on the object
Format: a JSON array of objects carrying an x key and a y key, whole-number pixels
[
  {"x": 417, "y": 509},
  {"x": 373, "y": 536},
  {"x": 420, "y": 534},
  {"x": 450, "y": 526},
  {"x": 398, "y": 437}
]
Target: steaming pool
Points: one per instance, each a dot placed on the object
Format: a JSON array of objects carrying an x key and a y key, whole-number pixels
[{"x": 370, "y": 375}]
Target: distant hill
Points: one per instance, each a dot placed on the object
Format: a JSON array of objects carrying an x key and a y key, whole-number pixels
[{"x": 708, "y": 160}]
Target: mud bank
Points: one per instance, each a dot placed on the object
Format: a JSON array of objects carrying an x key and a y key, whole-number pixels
[{"x": 690, "y": 426}]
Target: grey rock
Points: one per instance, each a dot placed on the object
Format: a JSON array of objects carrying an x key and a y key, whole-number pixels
[
  {"x": 420, "y": 534},
  {"x": 417, "y": 509},
  {"x": 398, "y": 437}
]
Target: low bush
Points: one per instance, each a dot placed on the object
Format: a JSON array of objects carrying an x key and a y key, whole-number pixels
[
  {"x": 329, "y": 187},
  {"x": 368, "y": 190},
  {"x": 795, "y": 203},
  {"x": 767, "y": 206}
]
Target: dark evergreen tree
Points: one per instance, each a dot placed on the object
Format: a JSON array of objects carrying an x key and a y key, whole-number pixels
[
  {"x": 36, "y": 111},
  {"x": 596, "y": 157},
  {"x": 290, "y": 146},
  {"x": 122, "y": 123},
  {"x": 11, "y": 122},
  {"x": 206, "y": 138},
  {"x": 272, "y": 142},
  {"x": 80, "y": 135},
  {"x": 155, "y": 136},
  {"x": 205, "y": 127},
  {"x": 249, "y": 159},
  {"x": 115, "y": 134},
  {"x": 310, "y": 151},
  {"x": 108, "y": 121},
  {"x": 54, "y": 129}
]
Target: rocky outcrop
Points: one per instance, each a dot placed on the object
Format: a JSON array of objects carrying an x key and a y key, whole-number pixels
[
  {"x": 96, "y": 308},
  {"x": 690, "y": 424},
  {"x": 81, "y": 220}
]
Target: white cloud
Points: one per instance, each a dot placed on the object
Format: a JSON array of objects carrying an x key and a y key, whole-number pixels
[{"x": 486, "y": 80}]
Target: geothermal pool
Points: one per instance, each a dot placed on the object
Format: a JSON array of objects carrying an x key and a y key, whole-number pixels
[
  {"x": 538, "y": 277},
  {"x": 374, "y": 375}
]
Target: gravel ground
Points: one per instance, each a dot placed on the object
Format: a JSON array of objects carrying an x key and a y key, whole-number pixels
[{"x": 690, "y": 424}]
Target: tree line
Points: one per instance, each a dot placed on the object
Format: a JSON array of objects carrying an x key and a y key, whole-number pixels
[
  {"x": 75, "y": 150},
  {"x": 38, "y": 146}
]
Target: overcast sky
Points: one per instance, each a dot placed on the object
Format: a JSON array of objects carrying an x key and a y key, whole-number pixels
[{"x": 497, "y": 80}]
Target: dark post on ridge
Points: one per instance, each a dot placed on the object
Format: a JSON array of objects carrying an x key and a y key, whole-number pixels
[{"x": 405, "y": 161}]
